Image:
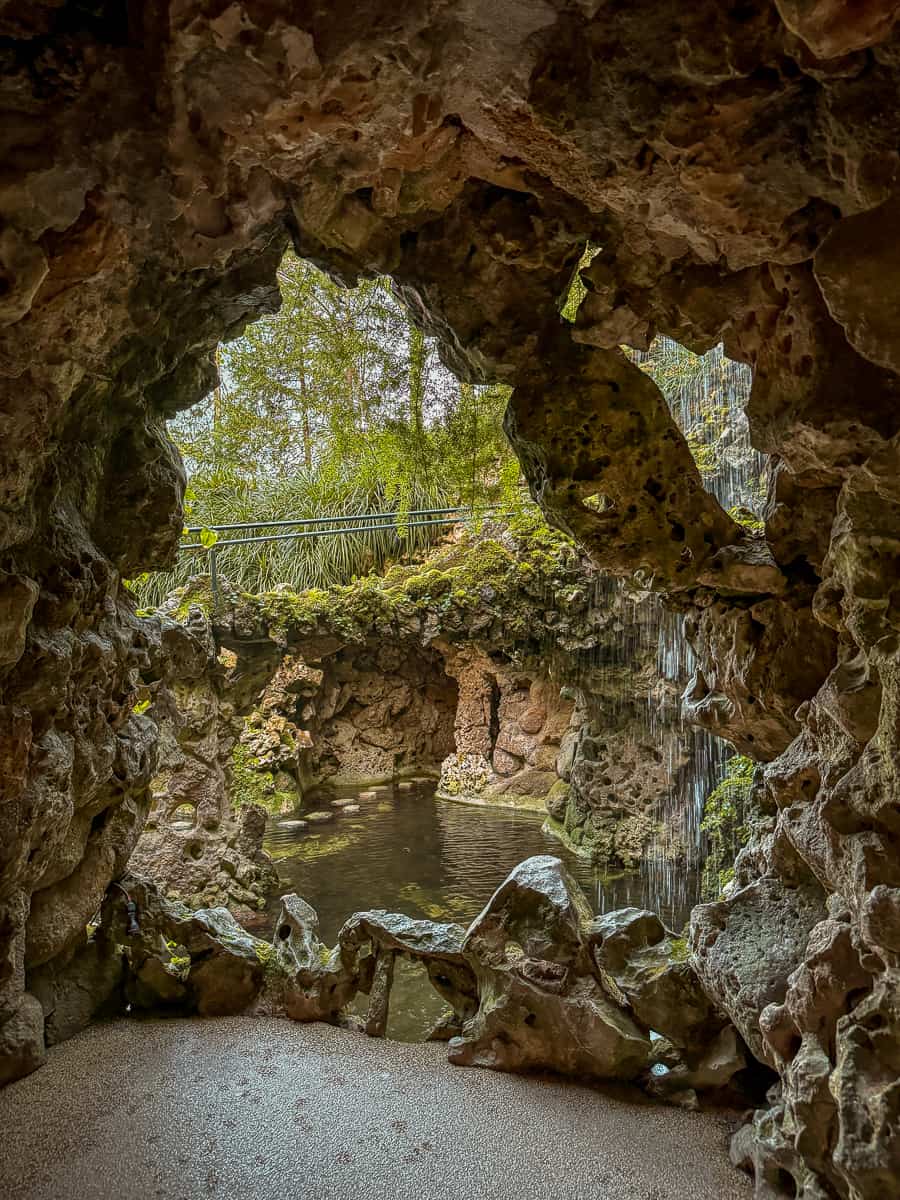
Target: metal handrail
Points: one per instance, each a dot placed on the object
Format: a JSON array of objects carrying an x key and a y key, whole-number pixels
[
  {"x": 460, "y": 515},
  {"x": 312, "y": 533},
  {"x": 413, "y": 512}
]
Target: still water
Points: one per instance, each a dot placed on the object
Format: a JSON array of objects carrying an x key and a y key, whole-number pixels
[{"x": 407, "y": 851}]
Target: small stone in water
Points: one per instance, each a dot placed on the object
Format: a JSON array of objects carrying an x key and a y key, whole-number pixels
[
  {"x": 406, "y": 786},
  {"x": 349, "y": 809},
  {"x": 297, "y": 824},
  {"x": 370, "y": 795},
  {"x": 342, "y": 803},
  {"x": 318, "y": 818}
]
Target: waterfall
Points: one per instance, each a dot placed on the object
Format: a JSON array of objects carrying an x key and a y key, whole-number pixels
[{"x": 706, "y": 396}]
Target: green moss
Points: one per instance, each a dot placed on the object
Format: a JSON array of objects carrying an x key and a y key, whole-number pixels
[
  {"x": 678, "y": 951},
  {"x": 197, "y": 594},
  {"x": 746, "y": 517},
  {"x": 725, "y": 822},
  {"x": 519, "y": 572},
  {"x": 249, "y": 783}
]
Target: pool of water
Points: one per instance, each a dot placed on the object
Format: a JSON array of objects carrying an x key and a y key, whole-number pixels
[{"x": 408, "y": 851}]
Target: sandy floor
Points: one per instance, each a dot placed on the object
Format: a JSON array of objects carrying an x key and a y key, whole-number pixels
[{"x": 260, "y": 1109}]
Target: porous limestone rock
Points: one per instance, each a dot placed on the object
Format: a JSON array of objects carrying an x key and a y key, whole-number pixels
[
  {"x": 438, "y": 945},
  {"x": 541, "y": 1001},
  {"x": 737, "y": 164},
  {"x": 196, "y": 843},
  {"x": 196, "y": 961},
  {"x": 739, "y": 963},
  {"x": 649, "y": 967},
  {"x": 83, "y": 984},
  {"x": 22, "y": 1048},
  {"x": 315, "y": 984}
]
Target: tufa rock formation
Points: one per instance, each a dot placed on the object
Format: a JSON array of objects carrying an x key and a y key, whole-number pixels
[
  {"x": 533, "y": 984},
  {"x": 451, "y": 665},
  {"x": 738, "y": 165},
  {"x": 194, "y": 842}
]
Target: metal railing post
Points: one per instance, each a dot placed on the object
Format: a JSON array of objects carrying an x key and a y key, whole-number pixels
[{"x": 213, "y": 579}]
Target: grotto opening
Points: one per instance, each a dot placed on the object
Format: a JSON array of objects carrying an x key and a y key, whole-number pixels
[{"x": 737, "y": 166}]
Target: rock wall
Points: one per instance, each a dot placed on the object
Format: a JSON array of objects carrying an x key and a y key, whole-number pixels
[
  {"x": 195, "y": 843},
  {"x": 380, "y": 710},
  {"x": 738, "y": 165},
  {"x": 466, "y": 663},
  {"x": 510, "y": 724}
]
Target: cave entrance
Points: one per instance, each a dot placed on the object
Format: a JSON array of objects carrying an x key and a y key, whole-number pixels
[
  {"x": 334, "y": 443},
  {"x": 327, "y": 471},
  {"x": 493, "y": 700}
]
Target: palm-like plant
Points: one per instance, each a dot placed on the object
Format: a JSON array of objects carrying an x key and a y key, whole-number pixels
[{"x": 334, "y": 406}]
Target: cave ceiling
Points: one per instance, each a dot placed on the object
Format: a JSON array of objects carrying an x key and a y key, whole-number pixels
[{"x": 738, "y": 166}]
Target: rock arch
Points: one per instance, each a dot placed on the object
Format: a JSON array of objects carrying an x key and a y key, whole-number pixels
[{"x": 737, "y": 165}]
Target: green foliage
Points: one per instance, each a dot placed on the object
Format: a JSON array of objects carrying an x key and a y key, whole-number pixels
[
  {"x": 726, "y": 823},
  {"x": 528, "y": 565},
  {"x": 746, "y": 517},
  {"x": 335, "y": 405}
]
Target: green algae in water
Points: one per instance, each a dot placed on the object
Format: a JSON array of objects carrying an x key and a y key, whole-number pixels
[{"x": 315, "y": 846}]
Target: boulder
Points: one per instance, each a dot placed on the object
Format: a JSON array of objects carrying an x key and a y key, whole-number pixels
[
  {"x": 542, "y": 1005},
  {"x": 85, "y": 983},
  {"x": 22, "y": 1040},
  {"x": 313, "y": 983},
  {"x": 651, "y": 971},
  {"x": 217, "y": 967}
]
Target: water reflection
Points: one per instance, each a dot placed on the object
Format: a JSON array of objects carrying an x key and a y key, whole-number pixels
[{"x": 407, "y": 851}]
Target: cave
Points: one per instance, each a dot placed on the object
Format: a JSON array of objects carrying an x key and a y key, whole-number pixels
[{"x": 736, "y": 165}]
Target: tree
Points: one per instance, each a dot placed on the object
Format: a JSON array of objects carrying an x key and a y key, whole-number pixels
[{"x": 336, "y": 404}]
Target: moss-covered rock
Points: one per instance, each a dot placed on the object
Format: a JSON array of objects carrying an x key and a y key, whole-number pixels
[
  {"x": 513, "y": 575},
  {"x": 251, "y": 783}
]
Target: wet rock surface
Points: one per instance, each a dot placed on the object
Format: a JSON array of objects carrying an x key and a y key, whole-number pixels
[{"x": 738, "y": 166}]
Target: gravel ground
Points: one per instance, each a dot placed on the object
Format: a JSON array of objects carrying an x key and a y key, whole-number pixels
[{"x": 249, "y": 1109}]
